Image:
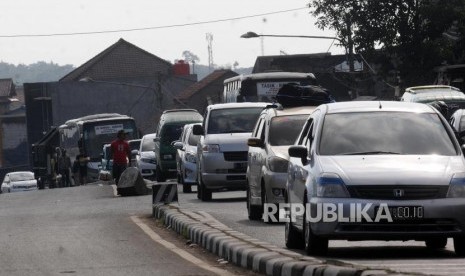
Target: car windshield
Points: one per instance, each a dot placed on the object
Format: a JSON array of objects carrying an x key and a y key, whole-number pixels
[
  {"x": 233, "y": 120},
  {"x": 23, "y": 176},
  {"x": 171, "y": 133},
  {"x": 148, "y": 144},
  {"x": 285, "y": 129},
  {"x": 385, "y": 133}
]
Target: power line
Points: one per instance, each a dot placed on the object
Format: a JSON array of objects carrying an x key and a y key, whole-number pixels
[{"x": 151, "y": 28}]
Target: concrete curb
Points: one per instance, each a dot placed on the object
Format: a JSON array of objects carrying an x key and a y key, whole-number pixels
[{"x": 237, "y": 248}]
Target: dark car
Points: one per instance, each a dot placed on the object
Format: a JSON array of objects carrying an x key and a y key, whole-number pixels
[{"x": 169, "y": 129}]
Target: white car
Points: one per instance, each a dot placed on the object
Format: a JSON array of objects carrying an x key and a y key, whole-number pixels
[
  {"x": 18, "y": 182},
  {"x": 222, "y": 151},
  {"x": 186, "y": 158},
  {"x": 145, "y": 157}
]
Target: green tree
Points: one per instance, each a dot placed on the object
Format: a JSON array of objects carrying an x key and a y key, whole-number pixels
[{"x": 409, "y": 32}]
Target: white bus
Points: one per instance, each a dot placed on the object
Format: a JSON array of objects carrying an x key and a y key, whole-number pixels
[
  {"x": 262, "y": 87},
  {"x": 90, "y": 133}
]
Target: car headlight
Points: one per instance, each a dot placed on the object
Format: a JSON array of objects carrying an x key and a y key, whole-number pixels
[
  {"x": 277, "y": 164},
  {"x": 190, "y": 157},
  {"x": 457, "y": 185},
  {"x": 331, "y": 185},
  {"x": 212, "y": 148}
]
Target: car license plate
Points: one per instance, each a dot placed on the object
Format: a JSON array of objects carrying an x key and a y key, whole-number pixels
[{"x": 405, "y": 212}]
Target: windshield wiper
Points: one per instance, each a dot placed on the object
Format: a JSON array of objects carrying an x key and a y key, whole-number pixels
[{"x": 369, "y": 153}]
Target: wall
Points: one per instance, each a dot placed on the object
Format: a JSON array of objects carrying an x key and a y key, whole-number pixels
[{"x": 14, "y": 141}]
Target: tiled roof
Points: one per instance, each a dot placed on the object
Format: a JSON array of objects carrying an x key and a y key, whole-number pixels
[
  {"x": 7, "y": 88},
  {"x": 122, "y": 59},
  {"x": 198, "y": 86}
]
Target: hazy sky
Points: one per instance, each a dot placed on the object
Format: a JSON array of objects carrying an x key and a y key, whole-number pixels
[{"x": 33, "y": 17}]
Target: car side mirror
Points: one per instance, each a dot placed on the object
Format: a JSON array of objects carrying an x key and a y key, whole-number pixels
[
  {"x": 299, "y": 152},
  {"x": 101, "y": 155},
  {"x": 156, "y": 139},
  {"x": 198, "y": 130},
  {"x": 255, "y": 142},
  {"x": 178, "y": 145},
  {"x": 134, "y": 152}
]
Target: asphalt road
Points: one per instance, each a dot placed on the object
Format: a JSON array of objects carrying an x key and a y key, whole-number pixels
[
  {"x": 82, "y": 231},
  {"x": 410, "y": 256}
]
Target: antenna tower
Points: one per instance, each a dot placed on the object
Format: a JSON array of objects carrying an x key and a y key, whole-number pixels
[{"x": 209, "y": 38}]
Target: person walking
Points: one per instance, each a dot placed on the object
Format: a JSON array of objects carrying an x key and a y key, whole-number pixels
[
  {"x": 82, "y": 159},
  {"x": 64, "y": 165},
  {"x": 121, "y": 153}
]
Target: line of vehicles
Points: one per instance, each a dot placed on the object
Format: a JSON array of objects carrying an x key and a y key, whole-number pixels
[
  {"x": 407, "y": 155},
  {"x": 313, "y": 151}
]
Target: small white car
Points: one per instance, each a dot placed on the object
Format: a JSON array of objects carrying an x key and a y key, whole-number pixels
[
  {"x": 186, "y": 158},
  {"x": 145, "y": 157},
  {"x": 18, "y": 182}
]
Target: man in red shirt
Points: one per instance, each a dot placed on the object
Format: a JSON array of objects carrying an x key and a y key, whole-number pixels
[{"x": 121, "y": 154}]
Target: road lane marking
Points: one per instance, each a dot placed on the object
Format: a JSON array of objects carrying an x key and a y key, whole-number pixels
[{"x": 181, "y": 252}]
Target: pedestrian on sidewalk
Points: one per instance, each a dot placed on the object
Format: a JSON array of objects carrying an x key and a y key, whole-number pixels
[{"x": 121, "y": 153}]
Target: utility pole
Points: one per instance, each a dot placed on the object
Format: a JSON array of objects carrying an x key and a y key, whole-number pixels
[{"x": 350, "y": 44}]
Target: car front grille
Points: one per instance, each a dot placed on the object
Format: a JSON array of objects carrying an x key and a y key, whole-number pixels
[
  {"x": 398, "y": 192},
  {"x": 235, "y": 156}
]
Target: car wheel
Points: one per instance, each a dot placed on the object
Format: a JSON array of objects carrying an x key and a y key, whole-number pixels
[
  {"x": 160, "y": 176},
  {"x": 314, "y": 245},
  {"x": 436, "y": 243},
  {"x": 254, "y": 212},
  {"x": 459, "y": 246},
  {"x": 293, "y": 238},
  {"x": 186, "y": 188},
  {"x": 203, "y": 193}
]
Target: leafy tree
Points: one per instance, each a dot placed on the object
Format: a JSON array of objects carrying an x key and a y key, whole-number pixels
[
  {"x": 409, "y": 32},
  {"x": 190, "y": 57}
]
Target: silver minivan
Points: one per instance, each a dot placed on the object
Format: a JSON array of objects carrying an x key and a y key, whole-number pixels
[
  {"x": 222, "y": 149},
  {"x": 388, "y": 170}
]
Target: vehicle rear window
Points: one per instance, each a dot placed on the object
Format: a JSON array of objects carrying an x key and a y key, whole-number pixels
[
  {"x": 389, "y": 132},
  {"x": 171, "y": 133},
  {"x": 285, "y": 129},
  {"x": 233, "y": 120}
]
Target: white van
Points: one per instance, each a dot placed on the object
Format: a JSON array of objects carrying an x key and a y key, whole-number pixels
[{"x": 222, "y": 150}]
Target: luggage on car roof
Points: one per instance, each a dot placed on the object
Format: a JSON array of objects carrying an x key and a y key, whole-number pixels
[{"x": 293, "y": 95}]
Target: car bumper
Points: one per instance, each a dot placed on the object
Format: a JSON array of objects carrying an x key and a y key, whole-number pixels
[
  {"x": 442, "y": 218},
  {"x": 190, "y": 173},
  {"x": 218, "y": 173},
  {"x": 275, "y": 182},
  {"x": 147, "y": 169},
  {"x": 23, "y": 189},
  {"x": 168, "y": 167}
]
